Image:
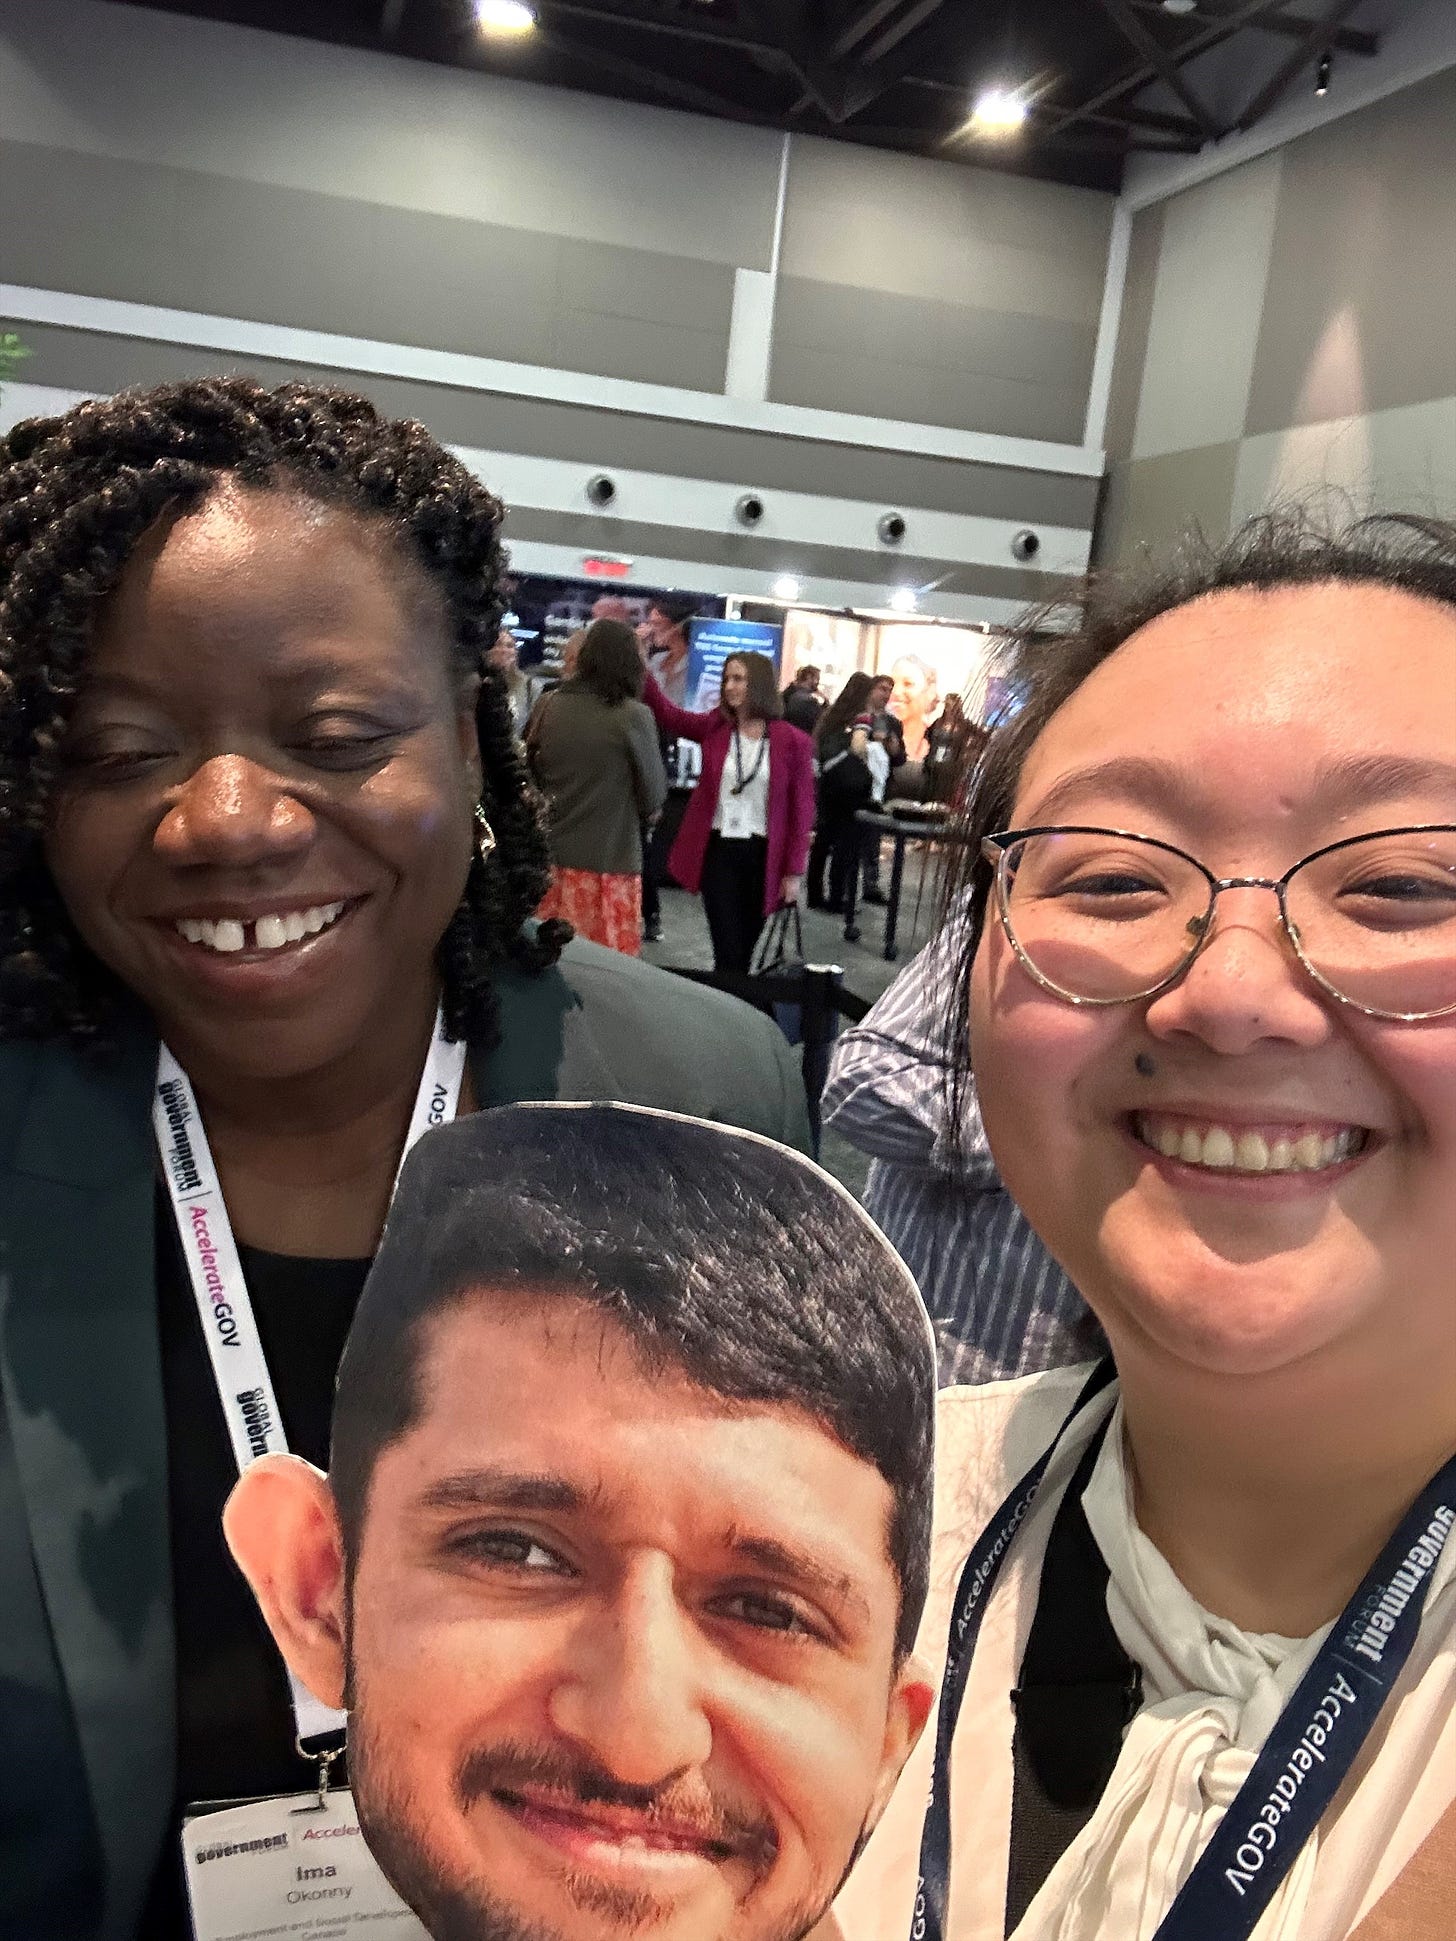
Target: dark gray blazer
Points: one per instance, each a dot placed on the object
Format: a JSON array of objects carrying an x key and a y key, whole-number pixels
[{"x": 87, "y": 1674}]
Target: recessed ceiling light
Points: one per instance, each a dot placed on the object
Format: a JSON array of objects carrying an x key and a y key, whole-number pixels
[
  {"x": 998, "y": 111},
  {"x": 504, "y": 16},
  {"x": 1180, "y": 6},
  {"x": 786, "y": 587},
  {"x": 904, "y": 599}
]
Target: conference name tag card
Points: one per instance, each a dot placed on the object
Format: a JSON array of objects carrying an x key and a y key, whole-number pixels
[{"x": 289, "y": 1867}]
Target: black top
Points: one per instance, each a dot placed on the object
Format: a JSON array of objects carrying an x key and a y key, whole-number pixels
[{"x": 234, "y": 1718}]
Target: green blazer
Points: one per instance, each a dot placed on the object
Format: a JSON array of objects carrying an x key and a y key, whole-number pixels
[{"x": 87, "y": 1676}]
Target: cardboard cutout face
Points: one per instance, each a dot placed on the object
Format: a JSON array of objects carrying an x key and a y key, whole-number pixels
[{"x": 617, "y": 1610}]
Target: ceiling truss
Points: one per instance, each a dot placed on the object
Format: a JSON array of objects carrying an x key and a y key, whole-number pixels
[{"x": 872, "y": 48}]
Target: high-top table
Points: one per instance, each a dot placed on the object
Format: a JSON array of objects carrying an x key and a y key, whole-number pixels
[{"x": 927, "y": 823}]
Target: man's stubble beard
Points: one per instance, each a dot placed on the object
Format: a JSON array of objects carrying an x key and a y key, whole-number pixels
[{"x": 460, "y": 1911}]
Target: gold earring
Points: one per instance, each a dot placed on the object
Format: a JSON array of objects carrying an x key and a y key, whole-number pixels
[{"x": 484, "y": 835}]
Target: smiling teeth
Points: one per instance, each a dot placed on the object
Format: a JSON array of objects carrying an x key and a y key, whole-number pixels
[
  {"x": 1227, "y": 1150},
  {"x": 269, "y": 933}
]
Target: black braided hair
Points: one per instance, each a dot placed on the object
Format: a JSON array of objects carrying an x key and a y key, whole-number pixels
[{"x": 77, "y": 494}]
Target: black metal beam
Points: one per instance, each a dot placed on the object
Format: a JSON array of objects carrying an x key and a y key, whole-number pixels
[
  {"x": 823, "y": 80},
  {"x": 683, "y": 94},
  {"x": 888, "y": 63},
  {"x": 1292, "y": 26},
  {"x": 1214, "y": 35},
  {"x": 863, "y": 22},
  {"x": 957, "y": 145},
  {"x": 1315, "y": 43},
  {"x": 1126, "y": 118},
  {"x": 964, "y": 145},
  {"x": 707, "y": 31},
  {"x": 895, "y": 31},
  {"x": 1167, "y": 66}
]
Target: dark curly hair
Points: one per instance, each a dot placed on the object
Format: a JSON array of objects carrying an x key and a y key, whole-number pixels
[
  {"x": 77, "y": 494},
  {"x": 1289, "y": 546}
]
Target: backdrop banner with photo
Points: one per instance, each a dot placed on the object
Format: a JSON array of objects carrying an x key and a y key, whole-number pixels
[{"x": 711, "y": 642}]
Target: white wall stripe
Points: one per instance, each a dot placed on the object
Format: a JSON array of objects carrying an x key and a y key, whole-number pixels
[
  {"x": 656, "y": 498},
  {"x": 1109, "y": 322},
  {"x": 19, "y": 401}
]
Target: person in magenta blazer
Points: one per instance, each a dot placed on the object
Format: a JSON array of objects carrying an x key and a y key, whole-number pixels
[{"x": 744, "y": 840}]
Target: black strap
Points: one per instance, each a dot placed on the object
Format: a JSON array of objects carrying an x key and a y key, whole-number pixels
[
  {"x": 780, "y": 945},
  {"x": 1077, "y": 1694}
]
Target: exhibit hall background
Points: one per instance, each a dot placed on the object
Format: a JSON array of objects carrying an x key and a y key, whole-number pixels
[{"x": 558, "y": 284}]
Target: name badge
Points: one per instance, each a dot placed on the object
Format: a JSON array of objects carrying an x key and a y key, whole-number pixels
[{"x": 289, "y": 1867}]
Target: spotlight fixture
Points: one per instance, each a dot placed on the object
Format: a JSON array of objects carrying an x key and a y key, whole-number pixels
[
  {"x": 601, "y": 489},
  {"x": 748, "y": 509},
  {"x": 1322, "y": 74},
  {"x": 998, "y": 111},
  {"x": 504, "y": 16},
  {"x": 904, "y": 599},
  {"x": 1180, "y": 6},
  {"x": 786, "y": 587},
  {"x": 891, "y": 528}
]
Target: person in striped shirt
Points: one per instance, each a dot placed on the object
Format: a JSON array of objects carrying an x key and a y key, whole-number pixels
[{"x": 1000, "y": 1304}]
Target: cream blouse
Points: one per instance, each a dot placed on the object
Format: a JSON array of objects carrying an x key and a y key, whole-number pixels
[{"x": 1211, "y": 1694}]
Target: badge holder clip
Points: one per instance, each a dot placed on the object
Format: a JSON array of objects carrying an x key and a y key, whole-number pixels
[{"x": 324, "y": 1759}]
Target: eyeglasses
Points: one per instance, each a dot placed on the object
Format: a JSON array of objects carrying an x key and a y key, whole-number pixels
[{"x": 1101, "y": 916}]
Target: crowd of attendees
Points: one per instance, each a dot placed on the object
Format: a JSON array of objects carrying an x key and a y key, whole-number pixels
[
  {"x": 619, "y": 1518},
  {"x": 776, "y": 793}
]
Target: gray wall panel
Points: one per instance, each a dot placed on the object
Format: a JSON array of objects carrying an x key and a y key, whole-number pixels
[
  {"x": 655, "y": 353},
  {"x": 133, "y": 84},
  {"x": 1130, "y": 357},
  {"x": 617, "y": 282},
  {"x": 191, "y": 241},
  {"x": 468, "y": 283},
  {"x": 1150, "y": 502},
  {"x": 1207, "y": 304},
  {"x": 94, "y": 361},
  {"x": 1015, "y": 345},
  {"x": 866, "y": 218},
  {"x": 1361, "y": 308},
  {"x": 941, "y": 296},
  {"x": 247, "y": 249},
  {"x": 892, "y": 387}
]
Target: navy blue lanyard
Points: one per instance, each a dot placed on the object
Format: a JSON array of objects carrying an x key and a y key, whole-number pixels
[{"x": 1304, "y": 1759}]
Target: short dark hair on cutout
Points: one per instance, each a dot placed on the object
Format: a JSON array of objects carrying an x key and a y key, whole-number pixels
[
  {"x": 609, "y": 662},
  {"x": 719, "y": 1254},
  {"x": 78, "y": 493},
  {"x": 1289, "y": 546}
]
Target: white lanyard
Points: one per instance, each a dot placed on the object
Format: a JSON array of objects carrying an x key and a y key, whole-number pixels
[{"x": 229, "y": 1327}]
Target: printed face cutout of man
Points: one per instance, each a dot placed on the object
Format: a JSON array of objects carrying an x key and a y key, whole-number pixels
[{"x": 622, "y": 1656}]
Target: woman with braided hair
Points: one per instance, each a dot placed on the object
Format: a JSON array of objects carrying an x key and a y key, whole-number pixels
[{"x": 268, "y": 849}]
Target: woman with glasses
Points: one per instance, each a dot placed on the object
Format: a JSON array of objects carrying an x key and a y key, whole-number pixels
[{"x": 1195, "y": 1609}]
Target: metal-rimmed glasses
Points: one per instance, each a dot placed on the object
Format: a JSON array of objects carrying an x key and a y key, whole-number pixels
[{"x": 1106, "y": 916}]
